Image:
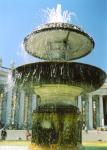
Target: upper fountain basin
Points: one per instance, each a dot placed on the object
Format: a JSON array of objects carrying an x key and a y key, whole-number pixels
[{"x": 58, "y": 41}]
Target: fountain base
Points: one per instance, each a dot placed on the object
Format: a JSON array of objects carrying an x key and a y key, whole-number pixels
[
  {"x": 57, "y": 127},
  {"x": 55, "y": 147}
]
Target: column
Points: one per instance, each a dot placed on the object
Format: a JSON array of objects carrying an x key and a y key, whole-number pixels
[
  {"x": 97, "y": 111},
  {"x": 29, "y": 121},
  {"x": 21, "y": 108},
  {"x": 13, "y": 107},
  {"x": 33, "y": 102},
  {"x": 3, "y": 108},
  {"x": 101, "y": 111},
  {"x": 87, "y": 112},
  {"x": 32, "y": 106},
  {"x": 8, "y": 107},
  {"x": 79, "y": 103},
  {"x": 17, "y": 105},
  {"x": 1, "y": 98},
  {"x": 90, "y": 111},
  {"x": 26, "y": 110}
]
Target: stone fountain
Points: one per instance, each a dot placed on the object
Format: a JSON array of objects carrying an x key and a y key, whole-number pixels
[{"x": 57, "y": 123}]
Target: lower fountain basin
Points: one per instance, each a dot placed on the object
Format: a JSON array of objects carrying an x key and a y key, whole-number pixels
[
  {"x": 54, "y": 93},
  {"x": 59, "y": 81}
]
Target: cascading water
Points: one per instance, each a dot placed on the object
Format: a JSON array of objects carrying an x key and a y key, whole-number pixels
[{"x": 57, "y": 121}]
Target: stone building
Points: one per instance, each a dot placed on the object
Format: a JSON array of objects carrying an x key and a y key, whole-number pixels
[
  {"x": 3, "y": 95},
  {"x": 94, "y": 107},
  {"x": 17, "y": 104}
]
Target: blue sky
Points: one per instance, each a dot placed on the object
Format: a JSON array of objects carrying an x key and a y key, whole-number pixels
[{"x": 20, "y": 17}]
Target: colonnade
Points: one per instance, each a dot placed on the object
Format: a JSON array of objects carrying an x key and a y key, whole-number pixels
[
  {"x": 17, "y": 107},
  {"x": 90, "y": 107}
]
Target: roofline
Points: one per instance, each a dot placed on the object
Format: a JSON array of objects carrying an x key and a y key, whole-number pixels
[{"x": 5, "y": 67}]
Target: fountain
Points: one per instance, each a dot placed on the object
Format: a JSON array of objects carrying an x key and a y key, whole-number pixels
[{"x": 57, "y": 123}]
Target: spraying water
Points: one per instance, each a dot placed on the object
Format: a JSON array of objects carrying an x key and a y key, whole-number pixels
[
  {"x": 56, "y": 15},
  {"x": 24, "y": 55}
]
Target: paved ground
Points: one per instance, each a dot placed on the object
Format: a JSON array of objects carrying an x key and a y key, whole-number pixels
[
  {"x": 15, "y": 135},
  {"x": 16, "y": 140},
  {"x": 92, "y": 135},
  {"x": 95, "y": 148},
  {"x": 26, "y": 145},
  {"x": 26, "y": 148},
  {"x": 13, "y": 148}
]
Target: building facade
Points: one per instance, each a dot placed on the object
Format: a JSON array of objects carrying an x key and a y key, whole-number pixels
[
  {"x": 3, "y": 95},
  {"x": 93, "y": 107},
  {"x": 17, "y": 104}
]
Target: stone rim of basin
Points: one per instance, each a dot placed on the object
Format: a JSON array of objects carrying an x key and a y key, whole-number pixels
[
  {"x": 57, "y": 108},
  {"x": 82, "y": 75},
  {"x": 58, "y": 41}
]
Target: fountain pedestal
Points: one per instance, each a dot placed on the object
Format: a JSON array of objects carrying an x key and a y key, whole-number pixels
[{"x": 57, "y": 126}]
